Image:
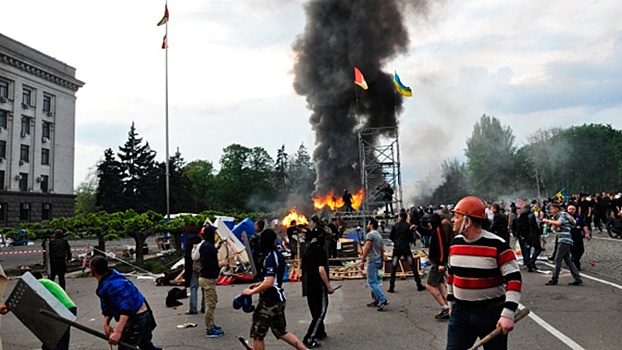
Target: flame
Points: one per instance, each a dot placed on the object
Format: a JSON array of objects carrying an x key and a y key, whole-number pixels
[
  {"x": 335, "y": 202},
  {"x": 293, "y": 215}
]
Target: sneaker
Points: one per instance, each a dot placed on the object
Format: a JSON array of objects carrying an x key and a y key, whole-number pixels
[
  {"x": 373, "y": 304},
  {"x": 383, "y": 305},
  {"x": 551, "y": 283},
  {"x": 191, "y": 312},
  {"x": 214, "y": 333},
  {"x": 576, "y": 283},
  {"x": 312, "y": 344},
  {"x": 443, "y": 315},
  {"x": 391, "y": 290},
  {"x": 421, "y": 287}
]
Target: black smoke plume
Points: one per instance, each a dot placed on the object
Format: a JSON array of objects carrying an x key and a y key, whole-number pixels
[{"x": 340, "y": 35}]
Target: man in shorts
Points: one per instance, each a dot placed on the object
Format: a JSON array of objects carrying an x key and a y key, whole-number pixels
[
  {"x": 270, "y": 312},
  {"x": 441, "y": 233}
]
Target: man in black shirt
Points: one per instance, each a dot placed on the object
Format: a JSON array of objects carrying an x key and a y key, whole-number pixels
[
  {"x": 499, "y": 225},
  {"x": 347, "y": 201},
  {"x": 333, "y": 238},
  {"x": 402, "y": 234},
  {"x": 293, "y": 236},
  {"x": 210, "y": 269},
  {"x": 60, "y": 253},
  {"x": 316, "y": 286}
]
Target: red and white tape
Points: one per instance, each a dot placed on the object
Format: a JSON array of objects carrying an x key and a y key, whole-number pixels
[{"x": 33, "y": 251}]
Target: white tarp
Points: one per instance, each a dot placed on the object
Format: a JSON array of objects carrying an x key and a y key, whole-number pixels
[{"x": 233, "y": 243}]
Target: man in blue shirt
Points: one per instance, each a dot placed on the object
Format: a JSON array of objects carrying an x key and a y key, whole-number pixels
[{"x": 121, "y": 300}]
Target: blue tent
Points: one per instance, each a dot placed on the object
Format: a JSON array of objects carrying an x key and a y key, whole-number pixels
[{"x": 247, "y": 225}]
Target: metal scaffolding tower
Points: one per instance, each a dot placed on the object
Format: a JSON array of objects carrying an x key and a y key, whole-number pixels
[{"x": 379, "y": 155}]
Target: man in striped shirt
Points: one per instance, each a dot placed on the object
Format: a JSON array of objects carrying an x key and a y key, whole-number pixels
[
  {"x": 484, "y": 281},
  {"x": 564, "y": 222}
]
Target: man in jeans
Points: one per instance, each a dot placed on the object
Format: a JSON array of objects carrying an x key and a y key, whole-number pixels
[
  {"x": 210, "y": 269},
  {"x": 373, "y": 254},
  {"x": 193, "y": 245},
  {"x": 564, "y": 244}
]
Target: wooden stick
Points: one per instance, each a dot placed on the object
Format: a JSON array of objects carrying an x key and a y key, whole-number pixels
[
  {"x": 519, "y": 316},
  {"x": 83, "y": 328}
]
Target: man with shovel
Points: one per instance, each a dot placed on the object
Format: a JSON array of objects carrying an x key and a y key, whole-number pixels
[{"x": 484, "y": 283}]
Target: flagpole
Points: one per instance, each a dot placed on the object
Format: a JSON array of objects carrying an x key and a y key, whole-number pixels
[{"x": 168, "y": 202}]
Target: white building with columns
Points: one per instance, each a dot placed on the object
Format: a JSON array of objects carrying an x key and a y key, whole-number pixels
[{"x": 37, "y": 135}]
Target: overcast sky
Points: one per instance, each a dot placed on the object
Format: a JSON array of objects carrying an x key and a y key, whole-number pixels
[{"x": 532, "y": 64}]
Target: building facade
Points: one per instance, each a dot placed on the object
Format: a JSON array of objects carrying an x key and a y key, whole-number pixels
[{"x": 37, "y": 135}]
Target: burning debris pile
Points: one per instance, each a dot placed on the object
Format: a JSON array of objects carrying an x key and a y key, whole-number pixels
[{"x": 338, "y": 36}]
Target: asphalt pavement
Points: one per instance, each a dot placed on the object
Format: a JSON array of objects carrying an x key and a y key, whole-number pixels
[{"x": 562, "y": 316}]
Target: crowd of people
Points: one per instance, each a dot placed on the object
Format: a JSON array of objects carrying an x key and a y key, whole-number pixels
[{"x": 474, "y": 274}]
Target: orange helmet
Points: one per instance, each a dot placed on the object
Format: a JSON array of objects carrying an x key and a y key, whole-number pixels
[{"x": 471, "y": 206}]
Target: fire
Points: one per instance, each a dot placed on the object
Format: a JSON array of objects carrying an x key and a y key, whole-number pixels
[
  {"x": 335, "y": 202},
  {"x": 293, "y": 215}
]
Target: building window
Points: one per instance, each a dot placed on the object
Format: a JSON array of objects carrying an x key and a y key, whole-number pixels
[
  {"x": 3, "y": 210},
  {"x": 47, "y": 103},
  {"x": 45, "y": 156},
  {"x": 24, "y": 153},
  {"x": 45, "y": 131},
  {"x": 4, "y": 89},
  {"x": 26, "y": 97},
  {"x": 46, "y": 211},
  {"x": 24, "y": 211},
  {"x": 25, "y": 126},
  {"x": 2, "y": 180},
  {"x": 2, "y": 149},
  {"x": 4, "y": 118},
  {"x": 23, "y": 182},
  {"x": 45, "y": 181}
]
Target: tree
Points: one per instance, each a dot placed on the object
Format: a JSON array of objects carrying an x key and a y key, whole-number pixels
[
  {"x": 181, "y": 196},
  {"x": 141, "y": 226},
  {"x": 454, "y": 186},
  {"x": 86, "y": 196},
  {"x": 109, "y": 194},
  {"x": 140, "y": 189},
  {"x": 301, "y": 175},
  {"x": 203, "y": 182},
  {"x": 280, "y": 174},
  {"x": 592, "y": 159},
  {"x": 245, "y": 178},
  {"x": 490, "y": 153},
  {"x": 547, "y": 159},
  {"x": 261, "y": 176}
]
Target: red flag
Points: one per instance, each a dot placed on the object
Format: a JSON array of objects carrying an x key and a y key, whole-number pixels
[
  {"x": 164, "y": 43},
  {"x": 359, "y": 79},
  {"x": 165, "y": 18}
]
